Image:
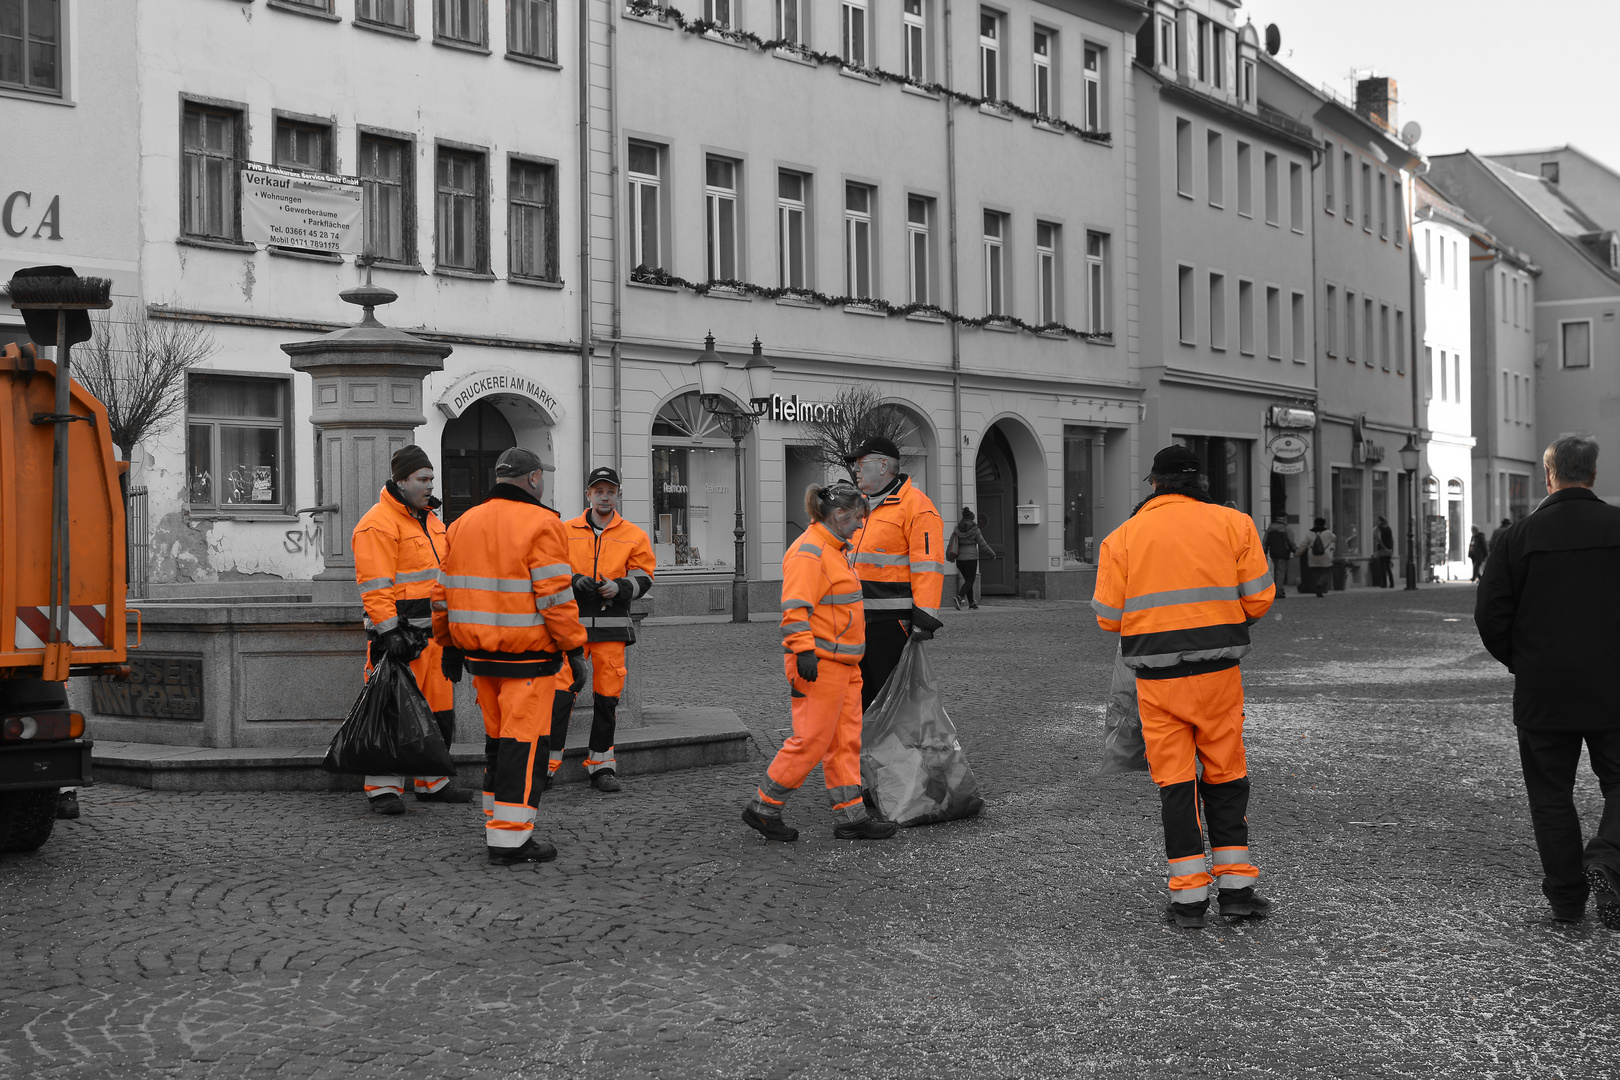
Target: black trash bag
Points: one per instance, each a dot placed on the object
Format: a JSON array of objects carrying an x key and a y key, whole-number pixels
[
  {"x": 390, "y": 730},
  {"x": 912, "y": 765},
  {"x": 1123, "y": 748}
]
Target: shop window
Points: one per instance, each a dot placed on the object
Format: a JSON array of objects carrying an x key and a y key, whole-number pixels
[
  {"x": 1346, "y": 522},
  {"x": 1454, "y": 520},
  {"x": 1226, "y": 465},
  {"x": 212, "y": 154},
  {"x": 693, "y": 481},
  {"x": 387, "y": 185},
  {"x": 1380, "y": 494},
  {"x": 1079, "y": 498},
  {"x": 530, "y": 29},
  {"x": 31, "y": 45},
  {"x": 236, "y": 443},
  {"x": 532, "y": 219}
]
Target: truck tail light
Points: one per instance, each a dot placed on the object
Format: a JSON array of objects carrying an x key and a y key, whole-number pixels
[
  {"x": 46, "y": 725},
  {"x": 75, "y": 725}
]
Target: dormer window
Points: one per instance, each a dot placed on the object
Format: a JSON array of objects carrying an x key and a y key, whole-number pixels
[{"x": 1246, "y": 90}]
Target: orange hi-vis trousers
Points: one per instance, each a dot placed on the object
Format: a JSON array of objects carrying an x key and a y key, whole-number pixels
[
  {"x": 1187, "y": 720},
  {"x": 826, "y": 731},
  {"x": 608, "y": 673},
  {"x": 517, "y": 721},
  {"x": 441, "y": 699}
]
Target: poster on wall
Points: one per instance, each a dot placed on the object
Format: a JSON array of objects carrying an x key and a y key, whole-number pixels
[
  {"x": 1435, "y": 539},
  {"x": 305, "y": 210}
]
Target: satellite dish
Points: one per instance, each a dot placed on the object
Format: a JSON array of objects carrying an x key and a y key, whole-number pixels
[
  {"x": 1273, "y": 39},
  {"x": 1411, "y": 133}
]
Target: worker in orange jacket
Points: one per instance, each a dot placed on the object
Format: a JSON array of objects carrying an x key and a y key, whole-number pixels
[
  {"x": 613, "y": 565},
  {"x": 510, "y": 620},
  {"x": 397, "y": 546},
  {"x": 823, "y": 640},
  {"x": 1180, "y": 581},
  {"x": 900, "y": 557}
]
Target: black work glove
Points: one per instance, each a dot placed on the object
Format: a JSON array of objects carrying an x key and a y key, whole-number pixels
[
  {"x": 806, "y": 662},
  {"x": 576, "y": 664},
  {"x": 921, "y": 633},
  {"x": 584, "y": 585},
  {"x": 450, "y": 664},
  {"x": 403, "y": 644}
]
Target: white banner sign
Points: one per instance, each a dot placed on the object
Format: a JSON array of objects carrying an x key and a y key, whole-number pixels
[{"x": 313, "y": 211}]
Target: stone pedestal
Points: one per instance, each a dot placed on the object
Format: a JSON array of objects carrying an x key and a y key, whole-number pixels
[{"x": 367, "y": 394}]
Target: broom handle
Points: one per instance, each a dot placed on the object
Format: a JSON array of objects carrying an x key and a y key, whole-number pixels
[{"x": 59, "y": 494}]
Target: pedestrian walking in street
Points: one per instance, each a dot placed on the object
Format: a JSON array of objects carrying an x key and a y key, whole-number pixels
[
  {"x": 900, "y": 558},
  {"x": 1317, "y": 547},
  {"x": 613, "y": 564},
  {"x": 1496, "y": 534},
  {"x": 967, "y": 546},
  {"x": 1179, "y": 582},
  {"x": 397, "y": 545},
  {"x": 1477, "y": 550},
  {"x": 1279, "y": 540},
  {"x": 1383, "y": 563},
  {"x": 823, "y": 639},
  {"x": 510, "y": 621},
  {"x": 1546, "y": 609}
]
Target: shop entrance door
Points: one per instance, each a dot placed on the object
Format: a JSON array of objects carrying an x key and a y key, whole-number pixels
[
  {"x": 801, "y": 469},
  {"x": 468, "y": 450},
  {"x": 996, "y": 483}
]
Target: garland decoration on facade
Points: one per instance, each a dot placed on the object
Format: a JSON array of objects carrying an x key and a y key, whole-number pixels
[
  {"x": 644, "y": 275},
  {"x": 650, "y": 9}
]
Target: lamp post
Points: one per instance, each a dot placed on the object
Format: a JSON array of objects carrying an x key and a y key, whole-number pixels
[
  {"x": 1409, "y": 463},
  {"x": 736, "y": 422}
]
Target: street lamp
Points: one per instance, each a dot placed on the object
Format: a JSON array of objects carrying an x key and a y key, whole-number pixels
[
  {"x": 736, "y": 422},
  {"x": 1409, "y": 463}
]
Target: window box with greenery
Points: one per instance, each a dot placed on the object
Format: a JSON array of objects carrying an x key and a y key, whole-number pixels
[
  {"x": 31, "y": 52},
  {"x": 236, "y": 444}
]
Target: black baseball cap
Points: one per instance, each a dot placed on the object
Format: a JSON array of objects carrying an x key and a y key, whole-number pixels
[
  {"x": 600, "y": 474},
  {"x": 1176, "y": 459},
  {"x": 876, "y": 445},
  {"x": 517, "y": 461}
]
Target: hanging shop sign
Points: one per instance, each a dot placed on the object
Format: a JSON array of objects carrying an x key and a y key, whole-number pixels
[
  {"x": 793, "y": 411},
  {"x": 311, "y": 211},
  {"x": 1292, "y": 416},
  {"x": 1288, "y": 454}
]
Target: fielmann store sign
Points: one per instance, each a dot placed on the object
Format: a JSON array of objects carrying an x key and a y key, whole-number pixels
[{"x": 793, "y": 411}]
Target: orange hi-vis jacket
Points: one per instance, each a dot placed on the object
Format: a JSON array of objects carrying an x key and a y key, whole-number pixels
[
  {"x": 509, "y": 588},
  {"x": 1180, "y": 581},
  {"x": 621, "y": 552},
  {"x": 900, "y": 557},
  {"x": 821, "y": 599},
  {"x": 396, "y": 562}
]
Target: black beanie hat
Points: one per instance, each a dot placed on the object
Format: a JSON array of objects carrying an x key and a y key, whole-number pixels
[{"x": 407, "y": 459}]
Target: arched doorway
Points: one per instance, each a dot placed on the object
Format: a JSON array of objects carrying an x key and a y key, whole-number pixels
[
  {"x": 996, "y": 483},
  {"x": 468, "y": 449}
]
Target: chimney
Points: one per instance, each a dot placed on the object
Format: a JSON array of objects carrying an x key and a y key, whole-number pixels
[{"x": 1376, "y": 100}]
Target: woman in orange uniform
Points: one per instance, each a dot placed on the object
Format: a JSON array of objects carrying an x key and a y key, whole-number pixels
[{"x": 823, "y": 638}]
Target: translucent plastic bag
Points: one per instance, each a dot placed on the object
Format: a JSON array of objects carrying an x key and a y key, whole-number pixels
[
  {"x": 912, "y": 765},
  {"x": 1123, "y": 749},
  {"x": 390, "y": 730}
]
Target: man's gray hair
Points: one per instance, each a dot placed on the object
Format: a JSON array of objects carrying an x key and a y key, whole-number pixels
[
  {"x": 1179, "y": 483},
  {"x": 1573, "y": 459}
]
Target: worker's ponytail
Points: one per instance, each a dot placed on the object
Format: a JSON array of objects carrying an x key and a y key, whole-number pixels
[{"x": 820, "y": 500}]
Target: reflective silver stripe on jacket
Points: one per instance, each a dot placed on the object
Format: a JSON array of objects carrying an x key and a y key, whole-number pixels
[
  {"x": 487, "y": 584},
  {"x": 927, "y": 567},
  {"x": 601, "y": 622},
  {"x": 424, "y": 622},
  {"x": 841, "y": 649},
  {"x": 641, "y": 574},
  {"x": 1156, "y": 660},
  {"x": 540, "y": 573},
  {"x": 1264, "y": 581},
  {"x": 564, "y": 595},
  {"x": 930, "y": 610},
  {"x": 840, "y": 598},
  {"x": 1105, "y": 611},
  {"x": 1172, "y": 597},
  {"x": 498, "y": 618},
  {"x": 814, "y": 549},
  {"x": 376, "y": 583},
  {"x": 384, "y": 626},
  {"x": 888, "y": 603},
  {"x": 795, "y": 628},
  {"x": 790, "y": 605},
  {"x": 883, "y": 558},
  {"x": 416, "y": 575}
]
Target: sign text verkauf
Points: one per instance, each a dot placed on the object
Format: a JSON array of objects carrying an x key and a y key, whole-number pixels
[{"x": 313, "y": 211}]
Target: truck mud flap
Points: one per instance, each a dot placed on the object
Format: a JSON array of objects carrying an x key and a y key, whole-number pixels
[{"x": 44, "y": 765}]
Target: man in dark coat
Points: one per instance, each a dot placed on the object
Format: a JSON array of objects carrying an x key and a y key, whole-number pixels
[{"x": 1546, "y": 608}]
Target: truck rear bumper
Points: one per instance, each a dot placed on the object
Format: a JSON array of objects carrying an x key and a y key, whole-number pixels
[{"x": 24, "y": 765}]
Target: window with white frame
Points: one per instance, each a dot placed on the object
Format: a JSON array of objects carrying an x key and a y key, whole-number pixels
[
  {"x": 1399, "y": 347},
  {"x": 1273, "y": 194},
  {"x": 1445, "y": 378},
  {"x": 1245, "y": 179},
  {"x": 919, "y": 249},
  {"x": 646, "y": 206},
  {"x": 1091, "y": 72},
  {"x": 719, "y": 12},
  {"x": 460, "y": 21},
  {"x": 1217, "y": 56},
  {"x": 1296, "y": 324},
  {"x": 1575, "y": 343},
  {"x": 1247, "y": 89},
  {"x": 1246, "y": 317},
  {"x": 387, "y": 193},
  {"x": 1201, "y": 47},
  {"x": 1296, "y": 197},
  {"x": 531, "y": 219},
  {"x": 792, "y": 201},
  {"x": 989, "y": 54},
  {"x": 1366, "y": 197},
  {"x": 1369, "y": 339},
  {"x": 1383, "y": 206},
  {"x": 1184, "y": 157},
  {"x": 790, "y": 21},
  {"x": 1097, "y": 282},
  {"x": 31, "y": 38},
  {"x": 1398, "y": 208},
  {"x": 1215, "y": 166},
  {"x": 1047, "y": 254},
  {"x": 1349, "y": 188},
  {"x": 1186, "y": 307},
  {"x": 995, "y": 266},
  {"x": 396, "y": 14},
  {"x": 1274, "y": 322},
  {"x": 858, "y": 238},
  {"x": 1327, "y": 176},
  {"x": 915, "y": 21},
  {"x": 531, "y": 29},
  {"x": 1456, "y": 377},
  {"x": 1456, "y": 274},
  {"x": 212, "y": 151},
  {"x": 1350, "y": 326},
  {"x": 236, "y": 443},
  {"x": 1330, "y": 311},
  {"x": 1042, "y": 54},
  {"x": 720, "y": 217},
  {"x": 854, "y": 34},
  {"x": 1167, "y": 43},
  {"x": 1217, "y": 311},
  {"x": 460, "y": 211},
  {"x": 1429, "y": 370}
]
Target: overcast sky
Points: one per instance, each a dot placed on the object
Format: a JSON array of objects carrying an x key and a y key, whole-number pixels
[{"x": 1485, "y": 75}]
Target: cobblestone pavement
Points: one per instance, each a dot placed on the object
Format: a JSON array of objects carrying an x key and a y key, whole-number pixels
[{"x": 192, "y": 935}]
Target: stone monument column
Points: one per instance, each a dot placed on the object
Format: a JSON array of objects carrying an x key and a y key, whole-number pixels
[{"x": 367, "y": 398}]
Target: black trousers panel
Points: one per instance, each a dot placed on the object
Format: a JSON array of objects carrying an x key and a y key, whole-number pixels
[
  {"x": 562, "y": 709},
  {"x": 1550, "y": 759},
  {"x": 604, "y": 721},
  {"x": 968, "y": 569},
  {"x": 885, "y": 640}
]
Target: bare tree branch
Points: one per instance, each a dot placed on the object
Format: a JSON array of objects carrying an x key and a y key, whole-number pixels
[
  {"x": 859, "y": 413},
  {"x": 136, "y": 366}
]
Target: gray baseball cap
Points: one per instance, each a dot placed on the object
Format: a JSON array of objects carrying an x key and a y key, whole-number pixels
[{"x": 517, "y": 462}]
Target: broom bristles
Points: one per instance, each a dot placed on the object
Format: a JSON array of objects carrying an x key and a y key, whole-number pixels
[{"x": 60, "y": 290}]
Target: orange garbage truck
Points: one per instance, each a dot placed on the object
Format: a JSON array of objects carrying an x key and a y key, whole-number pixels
[{"x": 62, "y": 581}]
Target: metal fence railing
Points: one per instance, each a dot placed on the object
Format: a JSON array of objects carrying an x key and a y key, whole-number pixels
[{"x": 138, "y": 544}]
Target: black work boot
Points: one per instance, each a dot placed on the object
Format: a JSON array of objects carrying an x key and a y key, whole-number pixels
[
  {"x": 1189, "y": 916},
  {"x": 1244, "y": 903},
  {"x": 606, "y": 780},
  {"x": 868, "y": 828},
  {"x": 1605, "y": 882},
  {"x": 388, "y": 804},
  {"x": 450, "y": 793},
  {"x": 771, "y": 828},
  {"x": 532, "y": 851}
]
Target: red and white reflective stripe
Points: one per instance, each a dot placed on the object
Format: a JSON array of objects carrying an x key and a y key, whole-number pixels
[{"x": 87, "y": 626}]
